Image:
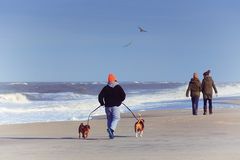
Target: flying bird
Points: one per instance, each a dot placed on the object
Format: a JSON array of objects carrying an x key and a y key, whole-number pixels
[
  {"x": 141, "y": 29},
  {"x": 128, "y": 44}
]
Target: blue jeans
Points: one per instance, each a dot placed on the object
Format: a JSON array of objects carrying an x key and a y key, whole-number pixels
[
  {"x": 195, "y": 105},
  {"x": 113, "y": 116},
  {"x": 205, "y": 105}
]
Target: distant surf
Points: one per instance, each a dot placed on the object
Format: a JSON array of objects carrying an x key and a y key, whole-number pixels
[{"x": 29, "y": 102}]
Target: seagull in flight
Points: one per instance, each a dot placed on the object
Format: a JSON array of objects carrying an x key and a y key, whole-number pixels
[
  {"x": 127, "y": 45},
  {"x": 141, "y": 29}
]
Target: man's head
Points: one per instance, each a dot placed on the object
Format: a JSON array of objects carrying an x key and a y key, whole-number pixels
[
  {"x": 206, "y": 73},
  {"x": 195, "y": 75}
]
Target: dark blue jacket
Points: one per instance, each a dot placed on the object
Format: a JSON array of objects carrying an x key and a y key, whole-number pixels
[{"x": 111, "y": 96}]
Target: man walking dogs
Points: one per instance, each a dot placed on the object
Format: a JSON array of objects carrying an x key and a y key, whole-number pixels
[
  {"x": 195, "y": 88},
  {"x": 207, "y": 90},
  {"x": 112, "y": 96}
]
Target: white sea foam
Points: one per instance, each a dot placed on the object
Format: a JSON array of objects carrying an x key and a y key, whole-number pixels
[
  {"x": 13, "y": 98},
  {"x": 62, "y": 96},
  {"x": 43, "y": 107},
  {"x": 19, "y": 83},
  {"x": 178, "y": 94},
  {"x": 228, "y": 90},
  {"x": 161, "y": 96}
]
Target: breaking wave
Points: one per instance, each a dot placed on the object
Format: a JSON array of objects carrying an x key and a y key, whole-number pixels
[
  {"x": 28, "y": 103},
  {"x": 13, "y": 98}
]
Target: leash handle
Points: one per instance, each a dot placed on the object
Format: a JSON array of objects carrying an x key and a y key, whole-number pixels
[
  {"x": 130, "y": 111},
  {"x": 91, "y": 113}
]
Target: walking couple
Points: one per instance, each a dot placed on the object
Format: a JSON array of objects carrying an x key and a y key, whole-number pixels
[{"x": 195, "y": 87}]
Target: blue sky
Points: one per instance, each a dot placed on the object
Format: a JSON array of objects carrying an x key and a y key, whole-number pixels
[{"x": 82, "y": 40}]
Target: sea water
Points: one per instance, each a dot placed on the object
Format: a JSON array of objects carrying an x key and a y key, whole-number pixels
[{"x": 46, "y": 102}]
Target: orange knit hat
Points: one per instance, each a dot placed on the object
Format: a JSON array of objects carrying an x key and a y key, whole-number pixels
[{"x": 111, "y": 78}]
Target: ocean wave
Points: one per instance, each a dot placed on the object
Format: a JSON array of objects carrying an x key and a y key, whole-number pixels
[
  {"x": 47, "y": 111},
  {"x": 19, "y": 83},
  {"x": 62, "y": 96},
  {"x": 139, "y": 93},
  {"x": 157, "y": 97},
  {"x": 228, "y": 89},
  {"x": 13, "y": 98},
  {"x": 25, "y": 107},
  {"x": 178, "y": 94}
]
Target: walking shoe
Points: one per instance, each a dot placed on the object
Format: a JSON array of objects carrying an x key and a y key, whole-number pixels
[
  {"x": 204, "y": 113},
  {"x": 110, "y": 133}
]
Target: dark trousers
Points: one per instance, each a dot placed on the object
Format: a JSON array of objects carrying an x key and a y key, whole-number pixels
[
  {"x": 209, "y": 106},
  {"x": 195, "y": 105}
]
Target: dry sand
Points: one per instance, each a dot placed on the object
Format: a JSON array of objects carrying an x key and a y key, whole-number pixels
[{"x": 169, "y": 134}]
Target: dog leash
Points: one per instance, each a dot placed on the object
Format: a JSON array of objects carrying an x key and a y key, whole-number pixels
[
  {"x": 130, "y": 111},
  {"x": 91, "y": 113},
  {"x": 100, "y": 106}
]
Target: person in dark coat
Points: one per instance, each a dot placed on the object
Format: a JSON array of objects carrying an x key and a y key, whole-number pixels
[
  {"x": 194, "y": 87},
  {"x": 112, "y": 96},
  {"x": 207, "y": 90}
]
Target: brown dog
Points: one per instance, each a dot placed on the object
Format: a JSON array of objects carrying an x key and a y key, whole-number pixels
[
  {"x": 139, "y": 126},
  {"x": 83, "y": 131}
]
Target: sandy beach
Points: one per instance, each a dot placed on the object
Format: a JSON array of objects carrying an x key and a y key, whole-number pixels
[{"x": 169, "y": 134}]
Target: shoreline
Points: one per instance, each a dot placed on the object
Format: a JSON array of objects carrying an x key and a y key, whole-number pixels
[
  {"x": 154, "y": 112},
  {"x": 235, "y": 101},
  {"x": 165, "y": 113}
]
